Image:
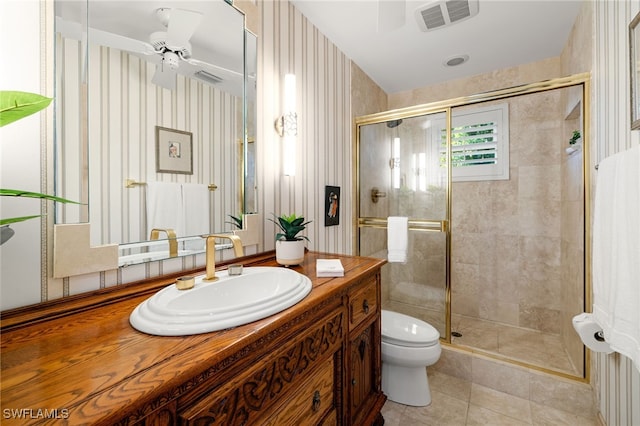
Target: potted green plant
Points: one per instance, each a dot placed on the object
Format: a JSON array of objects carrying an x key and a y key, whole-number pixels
[
  {"x": 290, "y": 245},
  {"x": 14, "y": 106},
  {"x": 237, "y": 220}
]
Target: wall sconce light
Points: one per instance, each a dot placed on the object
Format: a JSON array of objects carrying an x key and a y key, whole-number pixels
[{"x": 287, "y": 126}]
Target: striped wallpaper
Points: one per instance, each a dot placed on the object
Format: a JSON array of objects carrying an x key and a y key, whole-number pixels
[
  {"x": 616, "y": 381},
  {"x": 290, "y": 44},
  {"x": 124, "y": 108}
]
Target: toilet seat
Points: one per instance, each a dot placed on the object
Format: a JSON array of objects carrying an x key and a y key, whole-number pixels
[{"x": 403, "y": 330}]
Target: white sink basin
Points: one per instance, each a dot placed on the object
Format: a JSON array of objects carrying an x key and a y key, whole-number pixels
[{"x": 230, "y": 301}]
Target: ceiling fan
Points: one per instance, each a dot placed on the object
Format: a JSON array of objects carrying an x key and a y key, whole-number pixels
[{"x": 171, "y": 48}]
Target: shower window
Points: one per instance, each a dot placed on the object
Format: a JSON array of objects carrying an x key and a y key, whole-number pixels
[{"x": 479, "y": 143}]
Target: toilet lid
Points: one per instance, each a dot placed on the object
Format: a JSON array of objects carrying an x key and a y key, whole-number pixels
[{"x": 403, "y": 330}]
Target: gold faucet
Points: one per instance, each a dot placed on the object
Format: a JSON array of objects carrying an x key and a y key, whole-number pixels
[
  {"x": 211, "y": 252},
  {"x": 171, "y": 235}
]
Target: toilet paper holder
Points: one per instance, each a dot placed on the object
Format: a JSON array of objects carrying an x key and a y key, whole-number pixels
[{"x": 591, "y": 333}]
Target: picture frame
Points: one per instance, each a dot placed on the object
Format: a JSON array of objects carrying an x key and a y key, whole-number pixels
[
  {"x": 634, "y": 59},
  {"x": 331, "y": 205},
  {"x": 174, "y": 151}
]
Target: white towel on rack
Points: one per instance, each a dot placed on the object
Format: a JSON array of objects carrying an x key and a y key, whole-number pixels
[
  {"x": 195, "y": 205},
  {"x": 397, "y": 238},
  {"x": 164, "y": 207},
  {"x": 616, "y": 252}
]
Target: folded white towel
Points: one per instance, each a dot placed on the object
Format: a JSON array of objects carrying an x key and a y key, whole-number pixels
[
  {"x": 329, "y": 268},
  {"x": 164, "y": 207},
  {"x": 616, "y": 252},
  {"x": 397, "y": 238}
]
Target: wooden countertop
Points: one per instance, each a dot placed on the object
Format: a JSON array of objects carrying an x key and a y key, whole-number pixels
[{"x": 79, "y": 361}]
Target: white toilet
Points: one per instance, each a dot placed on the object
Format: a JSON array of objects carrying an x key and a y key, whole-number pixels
[{"x": 409, "y": 345}]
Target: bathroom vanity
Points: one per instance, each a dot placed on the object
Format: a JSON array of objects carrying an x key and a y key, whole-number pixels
[{"x": 79, "y": 361}]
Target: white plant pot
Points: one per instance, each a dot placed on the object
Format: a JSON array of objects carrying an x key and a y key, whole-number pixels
[{"x": 289, "y": 252}]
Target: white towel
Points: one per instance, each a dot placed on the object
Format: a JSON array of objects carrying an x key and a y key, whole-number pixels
[
  {"x": 195, "y": 205},
  {"x": 616, "y": 252},
  {"x": 397, "y": 238},
  {"x": 164, "y": 207},
  {"x": 329, "y": 268}
]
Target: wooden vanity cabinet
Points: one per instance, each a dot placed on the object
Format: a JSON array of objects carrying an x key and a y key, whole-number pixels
[
  {"x": 317, "y": 363},
  {"x": 293, "y": 382},
  {"x": 363, "y": 350}
]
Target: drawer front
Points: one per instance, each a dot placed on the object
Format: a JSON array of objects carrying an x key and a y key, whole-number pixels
[
  {"x": 311, "y": 402},
  {"x": 363, "y": 303},
  {"x": 247, "y": 398}
]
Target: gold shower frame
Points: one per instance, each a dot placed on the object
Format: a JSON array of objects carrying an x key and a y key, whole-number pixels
[{"x": 582, "y": 79}]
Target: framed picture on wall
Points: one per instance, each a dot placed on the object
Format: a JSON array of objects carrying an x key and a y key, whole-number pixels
[
  {"x": 331, "y": 205},
  {"x": 634, "y": 45},
  {"x": 174, "y": 151}
]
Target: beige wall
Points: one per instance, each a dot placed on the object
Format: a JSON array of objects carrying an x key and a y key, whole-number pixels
[{"x": 498, "y": 79}]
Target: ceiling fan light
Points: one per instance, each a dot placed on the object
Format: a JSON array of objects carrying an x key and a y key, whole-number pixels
[{"x": 171, "y": 60}]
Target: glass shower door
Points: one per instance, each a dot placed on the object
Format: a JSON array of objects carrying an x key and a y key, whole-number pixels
[{"x": 402, "y": 171}]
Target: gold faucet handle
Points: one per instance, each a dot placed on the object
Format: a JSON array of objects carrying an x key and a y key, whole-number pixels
[
  {"x": 171, "y": 236},
  {"x": 235, "y": 240}
]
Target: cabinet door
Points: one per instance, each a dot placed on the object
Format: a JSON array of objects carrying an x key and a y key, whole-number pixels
[{"x": 362, "y": 371}]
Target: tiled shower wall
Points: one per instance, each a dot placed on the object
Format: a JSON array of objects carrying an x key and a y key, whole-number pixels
[
  {"x": 506, "y": 246},
  {"x": 572, "y": 242}
]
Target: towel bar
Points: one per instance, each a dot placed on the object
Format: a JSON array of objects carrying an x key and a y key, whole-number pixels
[
  {"x": 414, "y": 225},
  {"x": 130, "y": 183}
]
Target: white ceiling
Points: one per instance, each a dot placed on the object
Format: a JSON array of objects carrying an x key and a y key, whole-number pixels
[{"x": 505, "y": 33}]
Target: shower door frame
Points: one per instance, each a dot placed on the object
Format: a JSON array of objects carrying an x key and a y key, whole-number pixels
[{"x": 446, "y": 106}]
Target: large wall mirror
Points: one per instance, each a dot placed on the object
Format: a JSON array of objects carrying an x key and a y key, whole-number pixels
[{"x": 152, "y": 127}]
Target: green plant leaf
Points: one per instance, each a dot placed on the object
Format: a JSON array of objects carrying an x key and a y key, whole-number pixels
[
  {"x": 16, "y": 219},
  {"x": 28, "y": 194},
  {"x": 16, "y": 105},
  {"x": 290, "y": 225},
  {"x": 237, "y": 221}
]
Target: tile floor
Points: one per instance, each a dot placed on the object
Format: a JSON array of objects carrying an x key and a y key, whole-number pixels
[
  {"x": 458, "y": 402},
  {"x": 530, "y": 346}
]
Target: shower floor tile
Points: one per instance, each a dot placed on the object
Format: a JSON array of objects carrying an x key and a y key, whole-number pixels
[{"x": 530, "y": 346}]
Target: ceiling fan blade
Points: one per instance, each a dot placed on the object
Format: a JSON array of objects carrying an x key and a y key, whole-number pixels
[
  {"x": 391, "y": 14},
  {"x": 164, "y": 77},
  {"x": 182, "y": 24},
  {"x": 116, "y": 41}
]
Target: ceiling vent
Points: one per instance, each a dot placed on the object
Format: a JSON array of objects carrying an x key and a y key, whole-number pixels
[
  {"x": 438, "y": 14},
  {"x": 208, "y": 77}
]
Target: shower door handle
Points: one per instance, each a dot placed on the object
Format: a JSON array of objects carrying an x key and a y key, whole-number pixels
[{"x": 376, "y": 194}]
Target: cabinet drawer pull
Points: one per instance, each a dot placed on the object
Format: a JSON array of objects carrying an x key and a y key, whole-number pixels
[
  {"x": 365, "y": 306},
  {"x": 353, "y": 382},
  {"x": 316, "y": 401}
]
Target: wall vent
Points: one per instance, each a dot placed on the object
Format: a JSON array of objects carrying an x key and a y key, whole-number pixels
[{"x": 438, "y": 14}]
